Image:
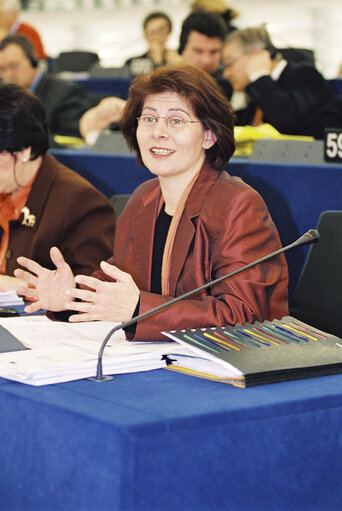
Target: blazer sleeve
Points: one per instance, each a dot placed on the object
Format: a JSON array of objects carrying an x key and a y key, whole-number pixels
[{"x": 286, "y": 103}]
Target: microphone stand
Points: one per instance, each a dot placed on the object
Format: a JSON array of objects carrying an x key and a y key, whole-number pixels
[{"x": 311, "y": 236}]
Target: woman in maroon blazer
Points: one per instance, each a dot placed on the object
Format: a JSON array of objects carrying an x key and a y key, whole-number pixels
[
  {"x": 42, "y": 202},
  {"x": 191, "y": 224}
]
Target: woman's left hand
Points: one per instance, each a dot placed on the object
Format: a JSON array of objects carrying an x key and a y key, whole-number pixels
[{"x": 106, "y": 301}]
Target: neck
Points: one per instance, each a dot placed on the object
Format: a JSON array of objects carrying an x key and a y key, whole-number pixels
[
  {"x": 173, "y": 187},
  {"x": 25, "y": 172}
]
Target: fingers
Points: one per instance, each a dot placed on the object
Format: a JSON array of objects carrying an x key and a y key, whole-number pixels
[
  {"x": 114, "y": 272},
  {"x": 84, "y": 280},
  {"x": 81, "y": 294},
  {"x": 57, "y": 258},
  {"x": 29, "y": 278},
  {"x": 32, "y": 307},
  {"x": 29, "y": 293},
  {"x": 78, "y": 318},
  {"x": 30, "y": 265}
]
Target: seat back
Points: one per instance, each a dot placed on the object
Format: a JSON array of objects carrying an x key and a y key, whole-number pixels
[
  {"x": 75, "y": 61},
  {"x": 317, "y": 299},
  {"x": 119, "y": 201}
]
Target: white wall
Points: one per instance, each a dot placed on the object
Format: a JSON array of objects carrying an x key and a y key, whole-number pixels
[{"x": 116, "y": 33}]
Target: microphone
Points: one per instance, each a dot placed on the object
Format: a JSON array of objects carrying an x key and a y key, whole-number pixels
[{"x": 311, "y": 236}]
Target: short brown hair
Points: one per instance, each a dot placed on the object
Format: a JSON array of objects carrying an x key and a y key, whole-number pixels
[{"x": 200, "y": 91}]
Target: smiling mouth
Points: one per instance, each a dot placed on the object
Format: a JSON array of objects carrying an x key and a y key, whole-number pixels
[{"x": 162, "y": 152}]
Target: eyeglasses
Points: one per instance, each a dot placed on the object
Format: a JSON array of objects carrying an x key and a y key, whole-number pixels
[
  {"x": 231, "y": 63},
  {"x": 174, "y": 123}
]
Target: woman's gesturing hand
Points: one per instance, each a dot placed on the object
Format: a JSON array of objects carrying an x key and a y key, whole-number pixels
[
  {"x": 46, "y": 288},
  {"x": 107, "y": 301}
]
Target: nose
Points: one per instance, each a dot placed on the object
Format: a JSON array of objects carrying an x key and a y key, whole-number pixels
[{"x": 161, "y": 129}]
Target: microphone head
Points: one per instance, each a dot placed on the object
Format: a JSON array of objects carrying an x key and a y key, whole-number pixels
[{"x": 311, "y": 236}]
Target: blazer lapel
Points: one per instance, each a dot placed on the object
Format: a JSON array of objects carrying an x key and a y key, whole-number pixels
[
  {"x": 186, "y": 229},
  {"x": 182, "y": 242}
]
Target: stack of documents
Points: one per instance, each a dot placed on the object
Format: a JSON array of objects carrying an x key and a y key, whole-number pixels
[
  {"x": 53, "y": 352},
  {"x": 10, "y": 298}
]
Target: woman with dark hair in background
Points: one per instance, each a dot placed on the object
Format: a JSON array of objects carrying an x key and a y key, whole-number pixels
[
  {"x": 41, "y": 201},
  {"x": 190, "y": 225},
  {"x": 157, "y": 29}
]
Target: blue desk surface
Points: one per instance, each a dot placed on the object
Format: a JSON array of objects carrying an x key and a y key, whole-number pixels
[{"x": 165, "y": 441}]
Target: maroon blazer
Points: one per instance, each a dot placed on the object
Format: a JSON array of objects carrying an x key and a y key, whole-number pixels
[
  {"x": 225, "y": 225},
  {"x": 68, "y": 212}
]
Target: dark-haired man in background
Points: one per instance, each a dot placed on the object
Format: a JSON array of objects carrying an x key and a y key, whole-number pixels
[
  {"x": 200, "y": 44},
  {"x": 64, "y": 102}
]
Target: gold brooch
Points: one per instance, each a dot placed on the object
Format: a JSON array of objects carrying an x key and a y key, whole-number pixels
[{"x": 28, "y": 219}]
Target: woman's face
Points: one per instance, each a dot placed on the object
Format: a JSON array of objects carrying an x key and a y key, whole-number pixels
[
  {"x": 13, "y": 169},
  {"x": 157, "y": 31},
  {"x": 166, "y": 150},
  {"x": 7, "y": 163}
]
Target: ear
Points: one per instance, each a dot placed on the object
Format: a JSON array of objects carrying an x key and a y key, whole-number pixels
[
  {"x": 24, "y": 155},
  {"x": 209, "y": 139}
]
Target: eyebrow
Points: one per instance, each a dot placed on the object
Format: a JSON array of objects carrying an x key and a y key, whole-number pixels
[{"x": 170, "y": 110}]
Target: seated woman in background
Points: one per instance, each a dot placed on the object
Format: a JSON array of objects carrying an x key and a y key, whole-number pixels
[
  {"x": 42, "y": 202},
  {"x": 157, "y": 29},
  {"x": 191, "y": 224}
]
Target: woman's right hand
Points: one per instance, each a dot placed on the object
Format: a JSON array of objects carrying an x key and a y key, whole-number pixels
[{"x": 46, "y": 287}]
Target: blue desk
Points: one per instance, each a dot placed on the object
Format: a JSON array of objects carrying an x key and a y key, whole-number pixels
[
  {"x": 161, "y": 441},
  {"x": 108, "y": 86},
  {"x": 295, "y": 194}
]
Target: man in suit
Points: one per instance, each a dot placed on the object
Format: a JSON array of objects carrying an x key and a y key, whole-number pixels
[
  {"x": 64, "y": 102},
  {"x": 291, "y": 96}
]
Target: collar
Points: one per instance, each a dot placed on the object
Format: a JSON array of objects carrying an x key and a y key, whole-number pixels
[
  {"x": 276, "y": 72},
  {"x": 14, "y": 28},
  {"x": 35, "y": 81}
]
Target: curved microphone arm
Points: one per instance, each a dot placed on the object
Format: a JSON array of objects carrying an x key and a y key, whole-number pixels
[{"x": 311, "y": 236}]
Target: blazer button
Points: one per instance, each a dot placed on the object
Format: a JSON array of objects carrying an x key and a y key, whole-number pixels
[{"x": 9, "y": 254}]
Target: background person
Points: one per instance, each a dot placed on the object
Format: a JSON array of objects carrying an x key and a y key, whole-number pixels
[
  {"x": 157, "y": 29},
  {"x": 218, "y": 7},
  {"x": 189, "y": 225},
  {"x": 64, "y": 102},
  {"x": 200, "y": 45},
  {"x": 291, "y": 96},
  {"x": 10, "y": 25},
  {"x": 42, "y": 202}
]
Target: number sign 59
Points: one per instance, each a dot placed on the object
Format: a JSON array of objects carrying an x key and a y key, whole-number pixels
[{"x": 333, "y": 145}]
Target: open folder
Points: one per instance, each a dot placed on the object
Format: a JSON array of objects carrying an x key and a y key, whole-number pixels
[{"x": 257, "y": 353}]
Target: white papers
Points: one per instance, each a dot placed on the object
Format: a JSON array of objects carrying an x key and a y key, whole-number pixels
[
  {"x": 62, "y": 352},
  {"x": 8, "y": 298}
]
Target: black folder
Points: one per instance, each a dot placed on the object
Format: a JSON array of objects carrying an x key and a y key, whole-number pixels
[{"x": 258, "y": 353}]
